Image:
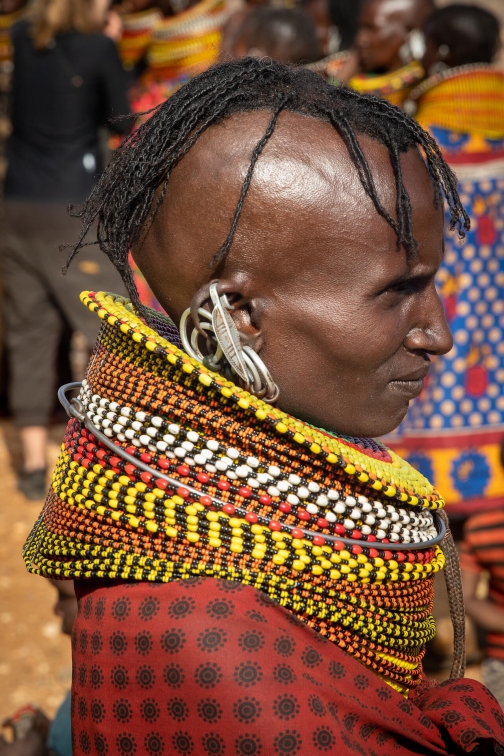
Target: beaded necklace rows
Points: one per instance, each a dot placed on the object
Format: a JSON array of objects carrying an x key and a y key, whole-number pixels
[
  {"x": 394, "y": 86},
  {"x": 137, "y": 35},
  {"x": 187, "y": 43},
  {"x": 467, "y": 99},
  {"x": 447, "y": 74},
  {"x": 288, "y": 491}
]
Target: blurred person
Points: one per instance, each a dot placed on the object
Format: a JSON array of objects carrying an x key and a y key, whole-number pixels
[
  {"x": 482, "y": 552},
  {"x": 388, "y": 46},
  {"x": 459, "y": 35},
  {"x": 185, "y": 42},
  {"x": 453, "y": 431},
  {"x": 284, "y": 34},
  {"x": 232, "y": 24},
  {"x": 336, "y": 23},
  {"x": 138, "y": 18},
  {"x": 33, "y": 733},
  {"x": 68, "y": 82}
]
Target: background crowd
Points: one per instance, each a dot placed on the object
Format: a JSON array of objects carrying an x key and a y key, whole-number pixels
[{"x": 77, "y": 76}]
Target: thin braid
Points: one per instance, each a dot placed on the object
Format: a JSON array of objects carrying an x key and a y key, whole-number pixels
[
  {"x": 223, "y": 251},
  {"x": 439, "y": 170},
  {"x": 341, "y": 125},
  {"x": 403, "y": 205},
  {"x": 453, "y": 579}
]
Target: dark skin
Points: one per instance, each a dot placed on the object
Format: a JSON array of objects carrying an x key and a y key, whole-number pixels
[
  {"x": 281, "y": 52},
  {"x": 384, "y": 26},
  {"x": 11, "y": 6},
  {"x": 66, "y": 604},
  {"x": 344, "y": 322}
]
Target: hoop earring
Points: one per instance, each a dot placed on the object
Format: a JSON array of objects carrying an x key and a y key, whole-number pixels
[
  {"x": 226, "y": 354},
  {"x": 413, "y": 47}
]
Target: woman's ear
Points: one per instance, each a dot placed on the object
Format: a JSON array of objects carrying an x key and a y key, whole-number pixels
[
  {"x": 226, "y": 336},
  {"x": 246, "y": 319},
  {"x": 242, "y": 309}
]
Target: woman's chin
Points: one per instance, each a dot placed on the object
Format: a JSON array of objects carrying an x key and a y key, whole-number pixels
[{"x": 379, "y": 425}]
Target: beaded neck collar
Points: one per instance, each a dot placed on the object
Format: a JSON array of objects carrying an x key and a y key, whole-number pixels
[
  {"x": 288, "y": 493},
  {"x": 364, "y": 461},
  {"x": 389, "y": 83},
  {"x": 451, "y": 73}
]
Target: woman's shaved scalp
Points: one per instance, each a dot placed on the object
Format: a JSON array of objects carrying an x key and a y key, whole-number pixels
[{"x": 134, "y": 184}]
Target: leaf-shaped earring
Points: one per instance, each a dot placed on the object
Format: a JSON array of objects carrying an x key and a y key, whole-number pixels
[{"x": 226, "y": 333}]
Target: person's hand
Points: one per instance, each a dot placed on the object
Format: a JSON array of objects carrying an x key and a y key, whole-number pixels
[
  {"x": 113, "y": 26},
  {"x": 32, "y": 745}
]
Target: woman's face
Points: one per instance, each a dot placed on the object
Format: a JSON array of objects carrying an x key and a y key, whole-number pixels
[{"x": 344, "y": 321}]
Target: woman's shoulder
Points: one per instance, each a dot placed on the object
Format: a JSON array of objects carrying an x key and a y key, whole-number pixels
[{"x": 20, "y": 30}]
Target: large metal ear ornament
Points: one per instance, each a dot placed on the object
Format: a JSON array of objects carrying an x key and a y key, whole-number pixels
[
  {"x": 226, "y": 354},
  {"x": 226, "y": 332}
]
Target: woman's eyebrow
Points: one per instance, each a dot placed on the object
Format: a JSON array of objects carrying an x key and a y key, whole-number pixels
[{"x": 409, "y": 276}]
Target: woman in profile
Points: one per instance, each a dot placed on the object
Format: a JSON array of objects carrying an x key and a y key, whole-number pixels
[
  {"x": 254, "y": 571},
  {"x": 67, "y": 84}
]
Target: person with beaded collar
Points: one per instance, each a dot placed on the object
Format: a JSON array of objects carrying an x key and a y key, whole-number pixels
[
  {"x": 138, "y": 18},
  {"x": 388, "y": 49},
  {"x": 255, "y": 572}
]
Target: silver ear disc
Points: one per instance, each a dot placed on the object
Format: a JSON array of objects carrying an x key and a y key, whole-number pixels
[{"x": 229, "y": 357}]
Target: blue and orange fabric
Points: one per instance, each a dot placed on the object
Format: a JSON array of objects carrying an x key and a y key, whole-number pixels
[{"x": 453, "y": 432}]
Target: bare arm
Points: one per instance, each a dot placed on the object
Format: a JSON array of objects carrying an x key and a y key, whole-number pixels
[{"x": 484, "y": 612}]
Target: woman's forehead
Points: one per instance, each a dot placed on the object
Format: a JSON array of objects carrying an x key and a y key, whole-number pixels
[{"x": 304, "y": 175}]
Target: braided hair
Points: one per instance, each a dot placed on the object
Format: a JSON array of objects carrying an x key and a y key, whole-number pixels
[{"x": 133, "y": 186}]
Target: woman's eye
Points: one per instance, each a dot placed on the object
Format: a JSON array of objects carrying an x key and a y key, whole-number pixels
[{"x": 411, "y": 286}]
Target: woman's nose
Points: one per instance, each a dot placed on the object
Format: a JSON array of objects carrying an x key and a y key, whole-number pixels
[{"x": 431, "y": 332}]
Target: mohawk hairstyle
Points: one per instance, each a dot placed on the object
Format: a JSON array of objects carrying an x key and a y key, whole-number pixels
[{"x": 126, "y": 198}]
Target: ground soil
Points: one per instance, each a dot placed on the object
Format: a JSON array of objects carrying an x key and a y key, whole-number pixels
[{"x": 35, "y": 662}]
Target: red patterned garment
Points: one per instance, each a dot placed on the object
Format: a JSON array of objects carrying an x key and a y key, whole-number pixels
[{"x": 211, "y": 667}]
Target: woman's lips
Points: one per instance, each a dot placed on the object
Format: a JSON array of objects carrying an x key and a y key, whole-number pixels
[
  {"x": 411, "y": 384},
  {"x": 412, "y": 388}
]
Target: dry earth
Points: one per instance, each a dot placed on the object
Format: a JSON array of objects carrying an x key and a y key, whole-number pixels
[{"x": 35, "y": 663}]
